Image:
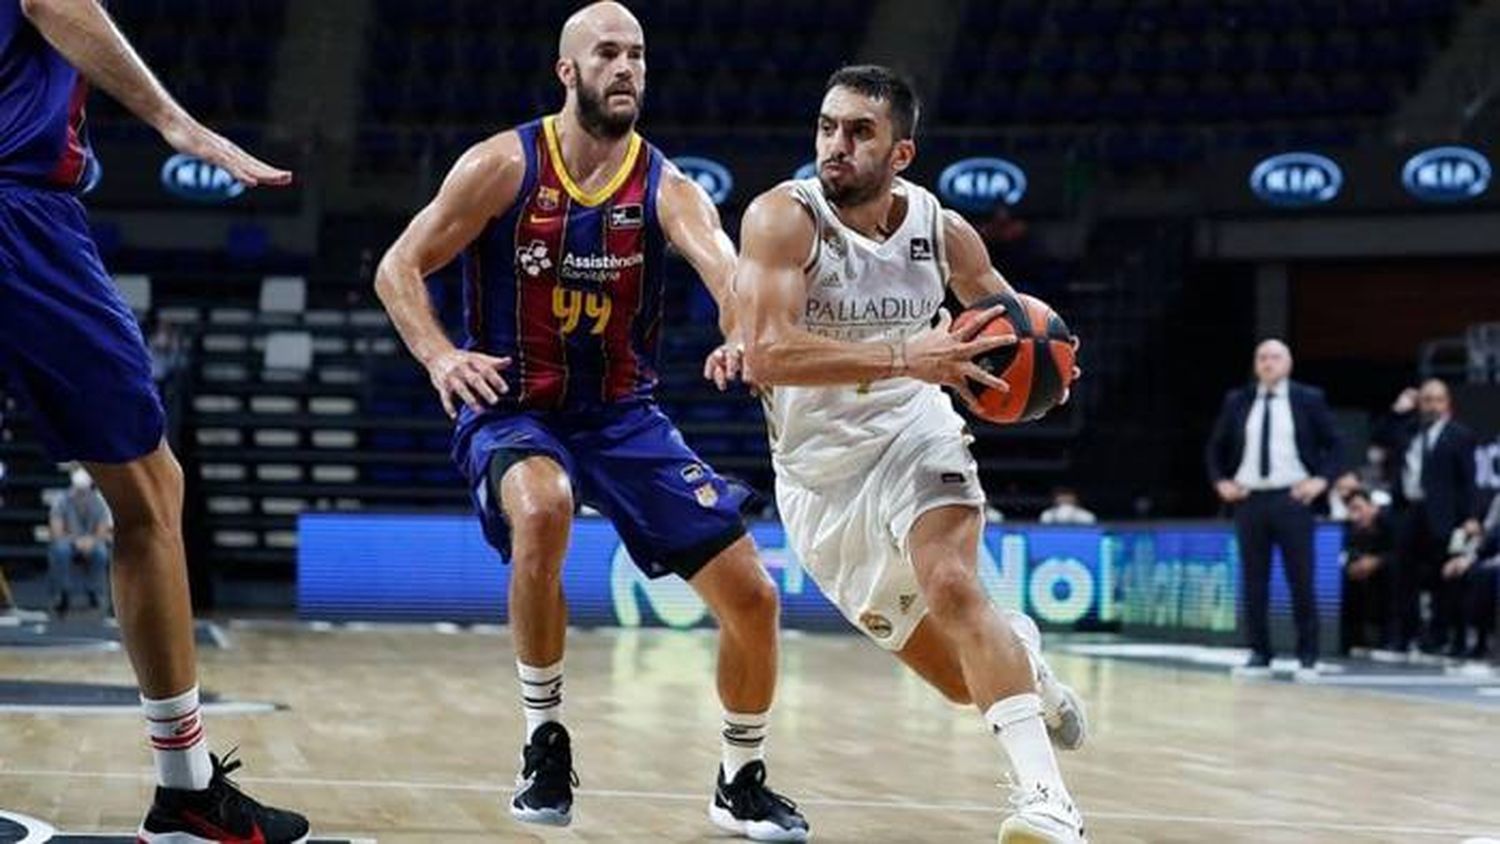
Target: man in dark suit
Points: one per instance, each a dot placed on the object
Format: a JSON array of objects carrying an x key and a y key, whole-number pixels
[
  {"x": 1273, "y": 450},
  {"x": 1435, "y": 496}
]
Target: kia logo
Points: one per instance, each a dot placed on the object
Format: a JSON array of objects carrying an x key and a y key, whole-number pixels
[
  {"x": 1446, "y": 174},
  {"x": 806, "y": 171},
  {"x": 711, "y": 175},
  {"x": 198, "y": 181},
  {"x": 1296, "y": 179},
  {"x": 978, "y": 184}
]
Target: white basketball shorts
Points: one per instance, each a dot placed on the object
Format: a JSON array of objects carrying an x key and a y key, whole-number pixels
[{"x": 852, "y": 538}]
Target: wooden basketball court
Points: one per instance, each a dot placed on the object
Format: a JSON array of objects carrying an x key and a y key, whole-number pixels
[{"x": 408, "y": 734}]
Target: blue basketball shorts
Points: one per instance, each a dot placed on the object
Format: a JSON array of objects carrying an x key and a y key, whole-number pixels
[
  {"x": 69, "y": 345},
  {"x": 673, "y": 512}
]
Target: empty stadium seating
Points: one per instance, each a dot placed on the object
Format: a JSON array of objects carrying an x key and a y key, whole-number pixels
[
  {"x": 1177, "y": 79},
  {"x": 218, "y": 57},
  {"x": 446, "y": 71}
]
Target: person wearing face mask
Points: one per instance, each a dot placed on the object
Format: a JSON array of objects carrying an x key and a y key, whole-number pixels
[
  {"x": 1273, "y": 451},
  {"x": 1434, "y": 489},
  {"x": 81, "y": 533}
]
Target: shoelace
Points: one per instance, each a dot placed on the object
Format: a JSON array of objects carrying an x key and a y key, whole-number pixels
[
  {"x": 762, "y": 798},
  {"x": 1039, "y": 796},
  {"x": 541, "y": 761},
  {"x": 1020, "y": 798},
  {"x": 223, "y": 767}
]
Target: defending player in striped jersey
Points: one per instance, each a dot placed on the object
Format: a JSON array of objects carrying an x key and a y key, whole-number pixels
[
  {"x": 562, "y": 224},
  {"x": 840, "y": 279}
]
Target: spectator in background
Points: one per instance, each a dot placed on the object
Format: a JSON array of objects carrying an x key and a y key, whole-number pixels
[
  {"x": 168, "y": 353},
  {"x": 1066, "y": 510},
  {"x": 1273, "y": 450},
  {"x": 81, "y": 533},
  {"x": 1375, "y": 475},
  {"x": 1346, "y": 485},
  {"x": 1476, "y": 567},
  {"x": 1369, "y": 548},
  {"x": 1435, "y": 498}
]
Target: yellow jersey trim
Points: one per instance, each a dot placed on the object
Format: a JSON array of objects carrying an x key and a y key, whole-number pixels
[{"x": 579, "y": 195}]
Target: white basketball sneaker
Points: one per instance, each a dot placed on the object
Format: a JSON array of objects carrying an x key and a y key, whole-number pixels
[
  {"x": 1062, "y": 709},
  {"x": 1041, "y": 817}
]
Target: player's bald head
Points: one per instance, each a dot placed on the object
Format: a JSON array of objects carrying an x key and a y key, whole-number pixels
[
  {"x": 603, "y": 21},
  {"x": 601, "y": 62}
]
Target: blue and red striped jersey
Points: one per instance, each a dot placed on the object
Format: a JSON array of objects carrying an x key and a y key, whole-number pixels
[
  {"x": 43, "y": 136},
  {"x": 569, "y": 284}
]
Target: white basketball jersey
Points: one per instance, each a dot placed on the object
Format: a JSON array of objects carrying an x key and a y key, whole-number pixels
[{"x": 862, "y": 290}]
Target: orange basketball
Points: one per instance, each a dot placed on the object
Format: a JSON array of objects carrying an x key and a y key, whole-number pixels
[{"x": 1038, "y": 368}]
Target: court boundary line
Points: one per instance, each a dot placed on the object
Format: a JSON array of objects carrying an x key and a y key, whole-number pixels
[{"x": 836, "y": 802}]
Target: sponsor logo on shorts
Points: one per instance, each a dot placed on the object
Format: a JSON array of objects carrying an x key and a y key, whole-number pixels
[
  {"x": 878, "y": 625},
  {"x": 953, "y": 477},
  {"x": 906, "y": 601},
  {"x": 693, "y": 473},
  {"x": 706, "y": 495},
  {"x": 921, "y": 249},
  {"x": 627, "y": 216}
]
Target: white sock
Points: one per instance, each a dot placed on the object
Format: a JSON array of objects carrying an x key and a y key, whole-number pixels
[
  {"x": 1017, "y": 722},
  {"x": 1031, "y": 638},
  {"x": 175, "y": 727},
  {"x": 743, "y": 740},
  {"x": 1025, "y": 629},
  {"x": 541, "y": 694}
]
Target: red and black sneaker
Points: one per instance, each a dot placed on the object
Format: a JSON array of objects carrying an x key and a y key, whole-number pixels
[{"x": 220, "y": 814}]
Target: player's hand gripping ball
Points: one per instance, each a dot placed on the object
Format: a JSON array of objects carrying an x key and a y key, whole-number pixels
[{"x": 1039, "y": 366}]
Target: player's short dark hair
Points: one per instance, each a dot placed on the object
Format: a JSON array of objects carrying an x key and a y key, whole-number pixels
[
  {"x": 881, "y": 83},
  {"x": 1360, "y": 493}
]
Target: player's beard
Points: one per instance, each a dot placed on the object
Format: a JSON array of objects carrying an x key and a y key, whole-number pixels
[
  {"x": 857, "y": 191},
  {"x": 598, "y": 120}
]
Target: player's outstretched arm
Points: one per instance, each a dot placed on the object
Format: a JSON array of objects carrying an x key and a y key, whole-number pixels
[
  {"x": 771, "y": 295},
  {"x": 480, "y": 187},
  {"x": 691, "y": 224},
  {"x": 82, "y": 31}
]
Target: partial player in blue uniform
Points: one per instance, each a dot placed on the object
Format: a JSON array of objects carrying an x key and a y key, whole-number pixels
[
  {"x": 562, "y": 225},
  {"x": 71, "y": 348}
]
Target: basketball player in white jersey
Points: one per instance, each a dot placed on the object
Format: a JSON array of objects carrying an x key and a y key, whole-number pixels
[{"x": 840, "y": 279}]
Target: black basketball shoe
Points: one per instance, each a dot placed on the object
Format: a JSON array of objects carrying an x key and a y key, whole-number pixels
[
  {"x": 544, "y": 790},
  {"x": 220, "y": 814},
  {"x": 747, "y": 807}
]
